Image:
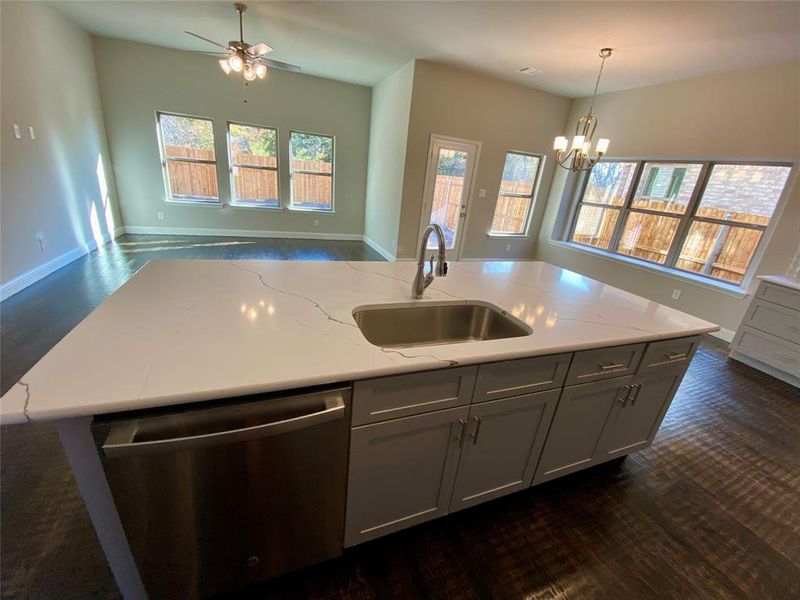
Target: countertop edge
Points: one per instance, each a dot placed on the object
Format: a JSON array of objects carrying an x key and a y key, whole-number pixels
[{"x": 19, "y": 392}]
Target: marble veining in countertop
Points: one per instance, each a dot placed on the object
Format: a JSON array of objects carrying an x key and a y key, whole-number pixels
[{"x": 190, "y": 330}]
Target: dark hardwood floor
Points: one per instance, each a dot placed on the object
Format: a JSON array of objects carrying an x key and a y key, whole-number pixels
[{"x": 711, "y": 510}]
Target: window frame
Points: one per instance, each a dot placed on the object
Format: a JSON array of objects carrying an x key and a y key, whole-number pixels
[
  {"x": 231, "y": 165},
  {"x": 685, "y": 220},
  {"x": 164, "y": 160},
  {"x": 332, "y": 174},
  {"x": 537, "y": 179}
]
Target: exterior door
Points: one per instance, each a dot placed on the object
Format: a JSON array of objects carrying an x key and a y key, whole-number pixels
[
  {"x": 451, "y": 166},
  {"x": 500, "y": 452}
]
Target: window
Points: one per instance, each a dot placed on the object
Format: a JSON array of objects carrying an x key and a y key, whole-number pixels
[
  {"x": 311, "y": 171},
  {"x": 254, "y": 165},
  {"x": 701, "y": 217},
  {"x": 187, "y": 158},
  {"x": 514, "y": 202}
]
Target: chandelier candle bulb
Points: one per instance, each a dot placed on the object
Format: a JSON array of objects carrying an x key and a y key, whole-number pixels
[
  {"x": 560, "y": 144},
  {"x": 586, "y": 147},
  {"x": 577, "y": 142},
  {"x": 602, "y": 146}
]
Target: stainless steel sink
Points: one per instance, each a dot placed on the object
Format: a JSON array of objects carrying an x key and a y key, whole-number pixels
[{"x": 428, "y": 323}]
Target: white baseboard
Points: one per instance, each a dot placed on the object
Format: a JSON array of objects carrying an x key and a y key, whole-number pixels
[
  {"x": 379, "y": 249},
  {"x": 20, "y": 282},
  {"x": 724, "y": 334},
  {"x": 302, "y": 235}
]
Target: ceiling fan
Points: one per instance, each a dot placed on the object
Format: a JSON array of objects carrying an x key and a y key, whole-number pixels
[{"x": 244, "y": 58}]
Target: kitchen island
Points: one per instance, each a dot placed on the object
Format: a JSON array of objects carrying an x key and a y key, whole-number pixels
[{"x": 187, "y": 332}]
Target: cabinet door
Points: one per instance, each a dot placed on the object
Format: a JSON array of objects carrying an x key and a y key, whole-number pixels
[
  {"x": 574, "y": 436},
  {"x": 401, "y": 472},
  {"x": 632, "y": 426},
  {"x": 503, "y": 443}
]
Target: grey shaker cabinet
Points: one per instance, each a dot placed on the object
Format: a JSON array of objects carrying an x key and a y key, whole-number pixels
[
  {"x": 580, "y": 418},
  {"x": 401, "y": 472},
  {"x": 502, "y": 446},
  {"x": 633, "y": 423}
]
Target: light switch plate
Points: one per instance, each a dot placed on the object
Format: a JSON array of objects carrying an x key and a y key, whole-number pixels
[
  {"x": 676, "y": 294},
  {"x": 481, "y": 193}
]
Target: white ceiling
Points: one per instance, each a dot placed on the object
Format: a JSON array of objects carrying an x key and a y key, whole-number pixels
[{"x": 362, "y": 42}]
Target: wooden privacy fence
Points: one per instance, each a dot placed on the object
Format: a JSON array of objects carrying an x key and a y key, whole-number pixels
[
  {"x": 712, "y": 249},
  {"x": 510, "y": 213},
  {"x": 189, "y": 179}
]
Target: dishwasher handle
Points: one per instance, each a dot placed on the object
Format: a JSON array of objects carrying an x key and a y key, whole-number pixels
[{"x": 120, "y": 439}]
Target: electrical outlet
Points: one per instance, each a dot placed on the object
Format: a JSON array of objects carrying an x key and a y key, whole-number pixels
[
  {"x": 31, "y": 132},
  {"x": 508, "y": 247},
  {"x": 676, "y": 294},
  {"x": 160, "y": 215},
  {"x": 42, "y": 241},
  {"x": 17, "y": 132},
  {"x": 316, "y": 222}
]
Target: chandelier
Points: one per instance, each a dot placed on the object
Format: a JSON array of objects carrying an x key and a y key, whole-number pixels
[{"x": 578, "y": 159}]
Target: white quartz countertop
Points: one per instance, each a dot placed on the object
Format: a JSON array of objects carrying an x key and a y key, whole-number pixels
[
  {"x": 190, "y": 330},
  {"x": 782, "y": 280}
]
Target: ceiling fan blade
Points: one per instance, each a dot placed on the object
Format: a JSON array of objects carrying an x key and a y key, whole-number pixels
[
  {"x": 260, "y": 49},
  {"x": 276, "y": 64},
  {"x": 205, "y": 39}
]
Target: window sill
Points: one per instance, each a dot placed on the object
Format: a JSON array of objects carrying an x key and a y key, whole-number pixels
[
  {"x": 318, "y": 211},
  {"x": 256, "y": 205},
  {"x": 725, "y": 288},
  {"x": 192, "y": 202},
  {"x": 495, "y": 234}
]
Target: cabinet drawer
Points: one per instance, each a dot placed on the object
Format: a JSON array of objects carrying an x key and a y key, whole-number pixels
[
  {"x": 517, "y": 377},
  {"x": 603, "y": 363},
  {"x": 772, "y": 318},
  {"x": 769, "y": 349},
  {"x": 669, "y": 352},
  {"x": 779, "y": 295},
  {"x": 404, "y": 395}
]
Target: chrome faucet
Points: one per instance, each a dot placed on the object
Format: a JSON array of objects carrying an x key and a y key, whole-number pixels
[{"x": 422, "y": 281}]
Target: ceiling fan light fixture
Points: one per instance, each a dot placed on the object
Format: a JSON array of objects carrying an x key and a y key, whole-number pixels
[
  {"x": 225, "y": 66},
  {"x": 236, "y": 63},
  {"x": 249, "y": 73},
  {"x": 261, "y": 70}
]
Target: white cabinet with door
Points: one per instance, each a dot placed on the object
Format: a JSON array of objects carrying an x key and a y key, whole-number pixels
[{"x": 495, "y": 435}]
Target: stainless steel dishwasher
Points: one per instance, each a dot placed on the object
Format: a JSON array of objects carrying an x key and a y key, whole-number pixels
[{"x": 215, "y": 496}]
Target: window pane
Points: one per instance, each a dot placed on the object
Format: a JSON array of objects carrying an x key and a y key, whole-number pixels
[
  {"x": 255, "y": 146},
  {"x": 510, "y": 214},
  {"x": 647, "y": 236},
  {"x": 609, "y": 183},
  {"x": 519, "y": 174},
  {"x": 256, "y": 186},
  {"x": 719, "y": 251},
  {"x": 187, "y": 137},
  {"x": 312, "y": 191},
  {"x": 745, "y": 193},
  {"x": 666, "y": 187},
  {"x": 448, "y": 192},
  {"x": 311, "y": 152},
  {"x": 595, "y": 226},
  {"x": 192, "y": 181}
]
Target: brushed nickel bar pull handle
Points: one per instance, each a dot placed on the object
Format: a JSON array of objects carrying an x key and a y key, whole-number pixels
[
  {"x": 635, "y": 389},
  {"x": 609, "y": 366},
  {"x": 462, "y": 432},
  {"x": 675, "y": 355},
  {"x": 478, "y": 422},
  {"x": 623, "y": 399}
]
